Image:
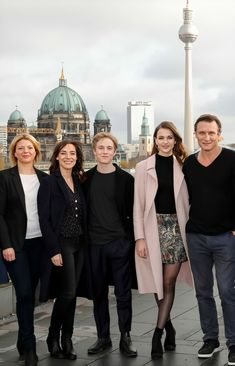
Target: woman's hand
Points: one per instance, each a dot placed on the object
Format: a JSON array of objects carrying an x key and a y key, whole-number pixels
[
  {"x": 9, "y": 254},
  {"x": 57, "y": 260},
  {"x": 141, "y": 248}
]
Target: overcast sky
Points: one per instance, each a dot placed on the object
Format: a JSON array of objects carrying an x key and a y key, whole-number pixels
[{"x": 115, "y": 51}]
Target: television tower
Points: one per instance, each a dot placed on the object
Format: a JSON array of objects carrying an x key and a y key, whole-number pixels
[{"x": 188, "y": 34}]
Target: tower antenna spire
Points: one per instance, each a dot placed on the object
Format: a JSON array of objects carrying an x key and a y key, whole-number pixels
[
  {"x": 188, "y": 34},
  {"x": 62, "y": 71}
]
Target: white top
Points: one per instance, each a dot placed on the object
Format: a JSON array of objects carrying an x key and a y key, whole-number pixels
[{"x": 30, "y": 185}]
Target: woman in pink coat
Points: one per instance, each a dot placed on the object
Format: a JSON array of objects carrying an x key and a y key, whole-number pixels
[{"x": 160, "y": 214}]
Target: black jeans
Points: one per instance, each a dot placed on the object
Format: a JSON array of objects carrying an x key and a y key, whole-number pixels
[
  {"x": 113, "y": 258},
  {"x": 24, "y": 272},
  {"x": 68, "y": 276}
]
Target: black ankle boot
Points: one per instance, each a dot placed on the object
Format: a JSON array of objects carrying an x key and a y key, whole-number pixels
[
  {"x": 54, "y": 348},
  {"x": 169, "y": 343},
  {"x": 101, "y": 345},
  {"x": 157, "y": 350},
  {"x": 30, "y": 358},
  {"x": 126, "y": 346},
  {"x": 67, "y": 348}
]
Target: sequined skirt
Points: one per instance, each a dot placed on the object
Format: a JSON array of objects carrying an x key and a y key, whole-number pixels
[{"x": 171, "y": 243}]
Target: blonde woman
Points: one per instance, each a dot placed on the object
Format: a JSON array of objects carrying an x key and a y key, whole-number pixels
[{"x": 20, "y": 236}]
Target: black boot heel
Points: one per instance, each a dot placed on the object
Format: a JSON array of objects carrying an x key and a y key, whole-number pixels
[
  {"x": 169, "y": 343},
  {"x": 157, "y": 350}
]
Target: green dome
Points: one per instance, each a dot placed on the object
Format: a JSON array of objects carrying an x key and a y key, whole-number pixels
[
  {"x": 101, "y": 116},
  {"x": 16, "y": 116},
  {"x": 62, "y": 100}
]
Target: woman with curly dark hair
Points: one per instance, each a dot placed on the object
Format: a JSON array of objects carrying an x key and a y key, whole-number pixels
[
  {"x": 61, "y": 209},
  {"x": 160, "y": 214}
]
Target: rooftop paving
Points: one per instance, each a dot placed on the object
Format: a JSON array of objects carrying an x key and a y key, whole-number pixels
[{"x": 184, "y": 317}]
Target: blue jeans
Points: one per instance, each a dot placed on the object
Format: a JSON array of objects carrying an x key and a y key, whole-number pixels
[
  {"x": 205, "y": 252},
  {"x": 24, "y": 272}
]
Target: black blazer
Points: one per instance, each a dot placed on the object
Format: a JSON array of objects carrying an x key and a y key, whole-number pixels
[
  {"x": 124, "y": 196},
  {"x": 53, "y": 199},
  {"x": 13, "y": 217}
]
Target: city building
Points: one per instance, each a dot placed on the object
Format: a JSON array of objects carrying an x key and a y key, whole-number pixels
[
  {"x": 145, "y": 139},
  {"x": 62, "y": 115},
  {"x": 3, "y": 140},
  {"x": 132, "y": 151},
  {"x": 16, "y": 124},
  {"x": 135, "y": 111},
  {"x": 102, "y": 122}
]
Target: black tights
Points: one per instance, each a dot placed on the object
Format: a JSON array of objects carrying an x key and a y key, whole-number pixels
[{"x": 170, "y": 273}]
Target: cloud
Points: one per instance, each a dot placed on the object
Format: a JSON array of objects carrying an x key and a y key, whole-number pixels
[{"x": 116, "y": 51}]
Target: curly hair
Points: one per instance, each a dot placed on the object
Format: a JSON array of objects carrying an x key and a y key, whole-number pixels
[
  {"x": 179, "y": 150},
  {"x": 78, "y": 167}
]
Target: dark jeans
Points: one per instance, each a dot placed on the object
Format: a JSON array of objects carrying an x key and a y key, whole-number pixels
[
  {"x": 68, "y": 276},
  {"x": 113, "y": 258},
  {"x": 24, "y": 272},
  {"x": 205, "y": 252}
]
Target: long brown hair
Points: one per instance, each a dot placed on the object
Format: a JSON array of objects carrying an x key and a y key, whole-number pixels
[
  {"x": 179, "y": 149},
  {"x": 78, "y": 167}
]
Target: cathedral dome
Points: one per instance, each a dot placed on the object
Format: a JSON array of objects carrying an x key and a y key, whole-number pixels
[
  {"x": 102, "y": 122},
  {"x": 62, "y": 100},
  {"x": 16, "y": 116},
  {"x": 101, "y": 116}
]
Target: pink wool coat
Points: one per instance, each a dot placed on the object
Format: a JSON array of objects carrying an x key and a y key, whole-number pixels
[{"x": 149, "y": 270}]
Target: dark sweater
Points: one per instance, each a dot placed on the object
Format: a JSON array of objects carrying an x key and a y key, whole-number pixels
[
  {"x": 165, "y": 199},
  {"x": 105, "y": 224},
  {"x": 211, "y": 193}
]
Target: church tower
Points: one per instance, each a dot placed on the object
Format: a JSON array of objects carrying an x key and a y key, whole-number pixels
[{"x": 145, "y": 141}]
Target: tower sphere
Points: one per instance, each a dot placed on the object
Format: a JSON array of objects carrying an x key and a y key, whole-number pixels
[{"x": 188, "y": 33}]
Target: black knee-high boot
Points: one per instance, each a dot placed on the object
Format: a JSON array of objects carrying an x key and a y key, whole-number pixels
[
  {"x": 67, "y": 332},
  {"x": 53, "y": 344},
  {"x": 157, "y": 350},
  {"x": 53, "y": 339}
]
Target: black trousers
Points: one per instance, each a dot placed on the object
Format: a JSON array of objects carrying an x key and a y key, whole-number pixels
[
  {"x": 24, "y": 272},
  {"x": 68, "y": 276},
  {"x": 112, "y": 258}
]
